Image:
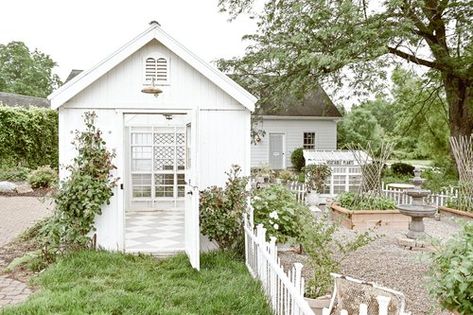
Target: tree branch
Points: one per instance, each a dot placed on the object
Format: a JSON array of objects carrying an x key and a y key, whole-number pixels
[{"x": 412, "y": 58}]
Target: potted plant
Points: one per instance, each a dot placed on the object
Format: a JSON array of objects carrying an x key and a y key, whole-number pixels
[
  {"x": 320, "y": 244},
  {"x": 315, "y": 177}
]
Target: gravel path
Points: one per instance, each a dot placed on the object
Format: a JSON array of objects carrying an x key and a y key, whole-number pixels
[
  {"x": 385, "y": 262},
  {"x": 18, "y": 213}
]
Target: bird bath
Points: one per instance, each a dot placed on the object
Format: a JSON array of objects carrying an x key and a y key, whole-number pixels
[{"x": 417, "y": 210}]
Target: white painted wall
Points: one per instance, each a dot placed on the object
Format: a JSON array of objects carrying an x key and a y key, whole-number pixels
[
  {"x": 325, "y": 137},
  {"x": 223, "y": 135}
]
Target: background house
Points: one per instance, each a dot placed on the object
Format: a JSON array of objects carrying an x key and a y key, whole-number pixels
[
  {"x": 310, "y": 123},
  {"x": 17, "y": 100}
]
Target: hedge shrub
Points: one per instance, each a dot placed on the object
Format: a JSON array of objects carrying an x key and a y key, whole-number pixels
[
  {"x": 402, "y": 169},
  {"x": 297, "y": 159},
  {"x": 28, "y": 137}
]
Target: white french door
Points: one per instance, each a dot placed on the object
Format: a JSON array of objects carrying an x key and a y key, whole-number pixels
[
  {"x": 157, "y": 158},
  {"x": 191, "y": 215}
]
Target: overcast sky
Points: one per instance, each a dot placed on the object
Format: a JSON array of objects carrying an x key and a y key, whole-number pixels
[{"x": 78, "y": 34}]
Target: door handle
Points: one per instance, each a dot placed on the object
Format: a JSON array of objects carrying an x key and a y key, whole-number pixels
[{"x": 190, "y": 192}]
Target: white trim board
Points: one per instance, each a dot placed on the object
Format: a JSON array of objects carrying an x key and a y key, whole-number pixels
[{"x": 86, "y": 78}]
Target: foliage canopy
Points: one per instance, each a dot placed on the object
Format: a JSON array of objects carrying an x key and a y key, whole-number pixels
[{"x": 26, "y": 72}]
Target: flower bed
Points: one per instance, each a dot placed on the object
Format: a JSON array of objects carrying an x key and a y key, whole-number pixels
[
  {"x": 456, "y": 212},
  {"x": 366, "y": 219}
]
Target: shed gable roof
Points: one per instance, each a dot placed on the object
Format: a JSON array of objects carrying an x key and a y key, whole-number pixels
[{"x": 82, "y": 80}]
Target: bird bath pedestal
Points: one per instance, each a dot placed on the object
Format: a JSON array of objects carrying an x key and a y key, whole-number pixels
[{"x": 418, "y": 210}]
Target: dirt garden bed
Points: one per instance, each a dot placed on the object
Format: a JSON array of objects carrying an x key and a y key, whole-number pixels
[
  {"x": 386, "y": 263},
  {"x": 383, "y": 220}
]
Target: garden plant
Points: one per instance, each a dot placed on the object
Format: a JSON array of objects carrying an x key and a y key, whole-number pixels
[{"x": 222, "y": 209}]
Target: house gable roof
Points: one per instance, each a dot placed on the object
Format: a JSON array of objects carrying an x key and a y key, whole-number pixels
[
  {"x": 11, "y": 99},
  {"x": 85, "y": 78},
  {"x": 315, "y": 103}
]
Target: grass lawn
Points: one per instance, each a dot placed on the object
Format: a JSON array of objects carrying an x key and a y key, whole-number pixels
[{"x": 91, "y": 282}]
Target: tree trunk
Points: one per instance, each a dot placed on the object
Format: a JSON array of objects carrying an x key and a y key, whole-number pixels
[{"x": 460, "y": 103}]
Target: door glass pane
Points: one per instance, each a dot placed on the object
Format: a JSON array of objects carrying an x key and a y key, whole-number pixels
[{"x": 141, "y": 185}]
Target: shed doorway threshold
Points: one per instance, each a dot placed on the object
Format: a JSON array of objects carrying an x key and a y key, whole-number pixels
[{"x": 160, "y": 233}]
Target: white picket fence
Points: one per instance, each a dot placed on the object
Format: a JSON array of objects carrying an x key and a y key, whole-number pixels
[
  {"x": 299, "y": 189},
  {"x": 284, "y": 290},
  {"x": 439, "y": 199}
]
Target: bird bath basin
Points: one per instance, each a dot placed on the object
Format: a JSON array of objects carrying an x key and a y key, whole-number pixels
[{"x": 417, "y": 210}]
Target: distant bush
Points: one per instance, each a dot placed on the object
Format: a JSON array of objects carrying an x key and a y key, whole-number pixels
[
  {"x": 28, "y": 137},
  {"x": 352, "y": 201},
  {"x": 43, "y": 177},
  {"x": 297, "y": 159},
  {"x": 402, "y": 169},
  {"x": 15, "y": 174}
]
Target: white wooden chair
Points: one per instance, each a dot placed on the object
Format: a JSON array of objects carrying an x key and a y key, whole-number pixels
[{"x": 353, "y": 296}]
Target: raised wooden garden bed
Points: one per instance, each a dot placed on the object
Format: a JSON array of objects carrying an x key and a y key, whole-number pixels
[
  {"x": 456, "y": 212},
  {"x": 366, "y": 219}
]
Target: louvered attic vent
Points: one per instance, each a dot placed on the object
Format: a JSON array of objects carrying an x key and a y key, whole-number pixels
[{"x": 157, "y": 69}]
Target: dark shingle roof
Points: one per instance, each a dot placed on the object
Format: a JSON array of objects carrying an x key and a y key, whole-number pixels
[
  {"x": 315, "y": 103},
  {"x": 10, "y": 99},
  {"x": 73, "y": 74}
]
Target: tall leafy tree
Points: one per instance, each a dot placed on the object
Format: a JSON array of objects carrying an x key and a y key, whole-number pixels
[
  {"x": 300, "y": 42},
  {"x": 26, "y": 72}
]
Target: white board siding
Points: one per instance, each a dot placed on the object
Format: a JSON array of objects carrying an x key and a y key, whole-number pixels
[
  {"x": 224, "y": 141},
  {"x": 325, "y": 137},
  {"x": 121, "y": 87},
  {"x": 110, "y": 224}
]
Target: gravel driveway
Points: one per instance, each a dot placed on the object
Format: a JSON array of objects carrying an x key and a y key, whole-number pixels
[
  {"x": 383, "y": 261},
  {"x": 19, "y": 213}
]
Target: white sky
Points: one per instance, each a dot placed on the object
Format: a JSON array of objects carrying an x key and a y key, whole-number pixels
[{"x": 78, "y": 34}]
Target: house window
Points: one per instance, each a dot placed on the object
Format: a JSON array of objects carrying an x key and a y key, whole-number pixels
[
  {"x": 156, "y": 69},
  {"x": 309, "y": 140}
]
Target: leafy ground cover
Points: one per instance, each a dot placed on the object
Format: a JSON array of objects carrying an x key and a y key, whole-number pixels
[{"x": 89, "y": 282}]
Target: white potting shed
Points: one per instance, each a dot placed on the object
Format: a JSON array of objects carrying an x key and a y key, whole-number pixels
[
  {"x": 346, "y": 171},
  {"x": 176, "y": 124}
]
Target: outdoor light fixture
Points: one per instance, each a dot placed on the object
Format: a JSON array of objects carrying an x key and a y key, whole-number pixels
[
  {"x": 153, "y": 89},
  {"x": 167, "y": 116}
]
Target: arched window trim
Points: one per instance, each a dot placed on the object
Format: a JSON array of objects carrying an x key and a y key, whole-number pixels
[{"x": 162, "y": 76}]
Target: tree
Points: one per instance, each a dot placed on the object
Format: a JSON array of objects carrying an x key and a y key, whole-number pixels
[
  {"x": 358, "y": 127},
  {"x": 300, "y": 42},
  {"x": 26, "y": 72}
]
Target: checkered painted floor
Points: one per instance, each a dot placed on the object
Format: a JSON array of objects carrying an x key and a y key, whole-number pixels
[{"x": 159, "y": 232}]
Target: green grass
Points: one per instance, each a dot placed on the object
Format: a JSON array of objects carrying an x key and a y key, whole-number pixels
[{"x": 91, "y": 282}]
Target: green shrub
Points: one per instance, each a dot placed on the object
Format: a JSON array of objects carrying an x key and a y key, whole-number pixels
[
  {"x": 316, "y": 175},
  {"x": 451, "y": 279},
  {"x": 286, "y": 175},
  {"x": 353, "y": 201},
  {"x": 277, "y": 209},
  {"x": 43, "y": 177},
  {"x": 297, "y": 159},
  {"x": 438, "y": 179},
  {"x": 28, "y": 137},
  {"x": 15, "y": 174},
  {"x": 402, "y": 169},
  {"x": 221, "y": 211}
]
